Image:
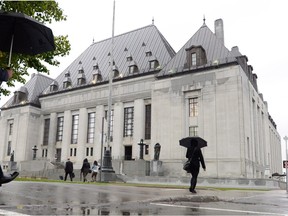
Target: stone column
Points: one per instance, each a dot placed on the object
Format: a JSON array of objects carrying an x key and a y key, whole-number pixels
[
  {"x": 100, "y": 114},
  {"x": 52, "y": 137},
  {"x": 139, "y": 124},
  {"x": 82, "y": 134},
  {"x": 66, "y": 135}
]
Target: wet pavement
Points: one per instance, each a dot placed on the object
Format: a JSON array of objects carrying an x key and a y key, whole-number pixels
[{"x": 36, "y": 198}]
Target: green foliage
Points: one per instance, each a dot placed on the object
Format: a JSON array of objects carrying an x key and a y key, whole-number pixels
[{"x": 45, "y": 12}]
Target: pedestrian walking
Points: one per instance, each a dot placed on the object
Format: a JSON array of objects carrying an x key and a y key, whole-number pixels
[
  {"x": 85, "y": 169},
  {"x": 95, "y": 169},
  {"x": 195, "y": 156},
  {"x": 68, "y": 170}
]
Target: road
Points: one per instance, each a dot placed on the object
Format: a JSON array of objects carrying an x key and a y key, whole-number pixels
[{"x": 37, "y": 198}]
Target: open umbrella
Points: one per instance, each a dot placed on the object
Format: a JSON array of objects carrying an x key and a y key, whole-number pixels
[
  {"x": 20, "y": 33},
  {"x": 187, "y": 142}
]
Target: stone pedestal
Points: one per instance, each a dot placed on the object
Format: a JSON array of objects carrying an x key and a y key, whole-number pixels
[
  {"x": 107, "y": 173},
  {"x": 12, "y": 166},
  {"x": 156, "y": 168}
]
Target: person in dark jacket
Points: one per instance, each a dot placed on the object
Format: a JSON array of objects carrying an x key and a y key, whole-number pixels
[
  {"x": 68, "y": 170},
  {"x": 85, "y": 169},
  {"x": 195, "y": 156}
]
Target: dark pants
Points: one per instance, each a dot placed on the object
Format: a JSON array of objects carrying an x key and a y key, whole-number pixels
[
  {"x": 194, "y": 174},
  {"x": 1, "y": 172},
  {"x": 70, "y": 175}
]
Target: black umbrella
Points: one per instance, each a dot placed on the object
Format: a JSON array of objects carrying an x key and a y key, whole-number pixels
[
  {"x": 22, "y": 34},
  {"x": 193, "y": 142}
]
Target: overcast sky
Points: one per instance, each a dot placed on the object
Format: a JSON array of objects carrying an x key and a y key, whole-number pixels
[{"x": 258, "y": 28}]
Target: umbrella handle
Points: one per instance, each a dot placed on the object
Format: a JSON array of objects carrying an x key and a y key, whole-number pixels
[{"x": 10, "y": 53}]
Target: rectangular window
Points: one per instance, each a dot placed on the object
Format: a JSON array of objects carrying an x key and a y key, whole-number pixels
[
  {"x": 10, "y": 128},
  {"x": 91, "y": 151},
  {"x": 193, "y": 107},
  {"x": 46, "y": 131},
  {"x": 71, "y": 152},
  {"x": 44, "y": 153},
  {"x": 111, "y": 123},
  {"x": 75, "y": 126},
  {"x": 75, "y": 152},
  {"x": 193, "y": 131},
  {"x": 60, "y": 124},
  {"x": 91, "y": 127},
  {"x": 87, "y": 151},
  {"x": 148, "y": 122},
  {"x": 9, "y": 148},
  {"x": 128, "y": 121},
  {"x": 193, "y": 59}
]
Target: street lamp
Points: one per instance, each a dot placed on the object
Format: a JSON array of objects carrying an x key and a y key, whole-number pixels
[
  {"x": 286, "y": 139},
  {"x": 34, "y": 149},
  {"x": 141, "y": 144}
]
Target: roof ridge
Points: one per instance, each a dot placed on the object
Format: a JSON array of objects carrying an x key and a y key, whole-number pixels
[{"x": 125, "y": 33}]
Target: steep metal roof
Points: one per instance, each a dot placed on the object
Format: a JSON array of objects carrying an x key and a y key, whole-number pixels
[
  {"x": 134, "y": 44},
  {"x": 33, "y": 88},
  {"x": 214, "y": 48}
]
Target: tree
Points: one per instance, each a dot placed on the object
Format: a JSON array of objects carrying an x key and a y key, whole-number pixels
[{"x": 45, "y": 12}]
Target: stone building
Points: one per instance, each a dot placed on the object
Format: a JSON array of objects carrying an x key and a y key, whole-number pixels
[{"x": 159, "y": 96}]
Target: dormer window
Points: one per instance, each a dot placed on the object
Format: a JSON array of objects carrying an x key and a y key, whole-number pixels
[
  {"x": 133, "y": 68},
  {"x": 96, "y": 75},
  {"x": 81, "y": 70},
  {"x": 95, "y": 67},
  {"x": 129, "y": 58},
  {"x": 153, "y": 63},
  {"x": 115, "y": 71},
  {"x": 81, "y": 79},
  {"x": 21, "y": 96},
  {"x": 148, "y": 53},
  {"x": 195, "y": 56},
  {"x": 53, "y": 86},
  {"x": 67, "y": 80}
]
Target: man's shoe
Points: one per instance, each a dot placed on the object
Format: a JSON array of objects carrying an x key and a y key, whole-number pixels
[
  {"x": 192, "y": 190},
  {"x": 8, "y": 178}
]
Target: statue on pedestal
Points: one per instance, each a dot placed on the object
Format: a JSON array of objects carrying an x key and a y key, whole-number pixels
[{"x": 157, "y": 149}]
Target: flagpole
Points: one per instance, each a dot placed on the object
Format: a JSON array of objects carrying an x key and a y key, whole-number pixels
[
  {"x": 107, "y": 169},
  {"x": 110, "y": 81}
]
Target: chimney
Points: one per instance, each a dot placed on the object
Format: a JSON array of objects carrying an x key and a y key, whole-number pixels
[{"x": 219, "y": 30}]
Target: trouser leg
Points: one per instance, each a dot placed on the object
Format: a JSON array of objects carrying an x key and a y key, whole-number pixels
[
  {"x": 65, "y": 176},
  {"x": 70, "y": 175},
  {"x": 1, "y": 172},
  {"x": 194, "y": 174}
]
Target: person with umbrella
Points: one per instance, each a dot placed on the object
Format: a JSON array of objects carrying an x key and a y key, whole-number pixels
[
  {"x": 5, "y": 75},
  {"x": 195, "y": 156}
]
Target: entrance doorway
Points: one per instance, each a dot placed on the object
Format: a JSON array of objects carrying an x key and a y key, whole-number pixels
[{"x": 128, "y": 153}]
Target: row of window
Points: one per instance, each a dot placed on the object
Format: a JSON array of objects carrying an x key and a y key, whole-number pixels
[{"x": 127, "y": 131}]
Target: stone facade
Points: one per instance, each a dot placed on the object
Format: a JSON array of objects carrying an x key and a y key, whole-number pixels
[{"x": 232, "y": 116}]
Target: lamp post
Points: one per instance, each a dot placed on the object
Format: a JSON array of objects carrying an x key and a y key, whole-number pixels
[
  {"x": 34, "y": 149},
  {"x": 141, "y": 144},
  {"x": 286, "y": 139}
]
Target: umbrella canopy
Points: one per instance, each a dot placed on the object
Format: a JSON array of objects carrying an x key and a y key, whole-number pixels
[
  {"x": 193, "y": 142},
  {"x": 22, "y": 34}
]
